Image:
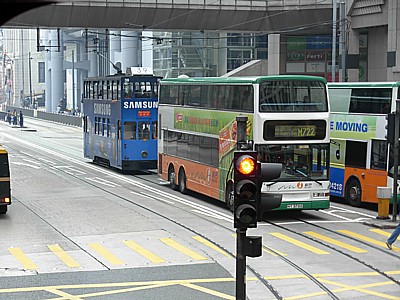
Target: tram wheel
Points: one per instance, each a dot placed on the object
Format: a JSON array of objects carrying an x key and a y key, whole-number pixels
[
  {"x": 353, "y": 192},
  {"x": 182, "y": 181},
  {"x": 171, "y": 178}
]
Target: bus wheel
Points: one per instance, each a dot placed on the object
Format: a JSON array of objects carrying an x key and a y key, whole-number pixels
[
  {"x": 182, "y": 181},
  {"x": 171, "y": 178},
  {"x": 229, "y": 196},
  {"x": 353, "y": 192},
  {"x": 3, "y": 209}
]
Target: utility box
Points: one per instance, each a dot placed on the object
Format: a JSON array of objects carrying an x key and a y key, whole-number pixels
[{"x": 383, "y": 194}]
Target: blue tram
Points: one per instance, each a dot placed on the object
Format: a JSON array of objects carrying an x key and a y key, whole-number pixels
[{"x": 120, "y": 120}]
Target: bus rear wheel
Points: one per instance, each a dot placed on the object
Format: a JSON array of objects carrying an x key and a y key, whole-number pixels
[
  {"x": 353, "y": 192},
  {"x": 3, "y": 209},
  {"x": 171, "y": 178},
  {"x": 182, "y": 181}
]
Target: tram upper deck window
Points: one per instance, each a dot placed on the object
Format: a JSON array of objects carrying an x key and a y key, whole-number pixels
[{"x": 128, "y": 88}]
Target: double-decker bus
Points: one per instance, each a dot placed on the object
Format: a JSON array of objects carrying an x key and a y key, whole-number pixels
[
  {"x": 5, "y": 189},
  {"x": 287, "y": 122},
  {"x": 120, "y": 120},
  {"x": 359, "y": 149}
]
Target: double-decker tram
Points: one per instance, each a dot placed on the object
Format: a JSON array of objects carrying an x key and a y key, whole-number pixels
[
  {"x": 287, "y": 122},
  {"x": 5, "y": 189},
  {"x": 120, "y": 120},
  {"x": 360, "y": 155}
]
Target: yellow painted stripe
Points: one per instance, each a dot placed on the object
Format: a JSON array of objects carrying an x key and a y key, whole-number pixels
[
  {"x": 173, "y": 244},
  {"x": 106, "y": 254},
  {"x": 335, "y": 242},
  {"x": 381, "y": 232},
  {"x": 209, "y": 291},
  {"x": 366, "y": 239},
  {"x": 22, "y": 258},
  {"x": 64, "y": 256},
  {"x": 298, "y": 243},
  {"x": 211, "y": 245},
  {"x": 144, "y": 252}
]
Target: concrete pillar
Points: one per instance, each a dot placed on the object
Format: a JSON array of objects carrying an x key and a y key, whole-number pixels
[
  {"x": 47, "y": 63},
  {"x": 57, "y": 71},
  {"x": 353, "y": 56},
  {"x": 393, "y": 52},
  {"x": 129, "y": 49},
  {"x": 222, "y": 54},
  {"x": 115, "y": 50},
  {"x": 274, "y": 54}
]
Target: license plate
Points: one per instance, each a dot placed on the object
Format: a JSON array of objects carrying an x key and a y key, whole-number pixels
[{"x": 294, "y": 206}]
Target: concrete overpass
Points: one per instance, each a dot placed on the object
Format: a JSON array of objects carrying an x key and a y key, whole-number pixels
[{"x": 269, "y": 16}]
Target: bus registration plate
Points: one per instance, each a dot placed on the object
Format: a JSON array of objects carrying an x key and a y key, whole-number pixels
[{"x": 288, "y": 206}]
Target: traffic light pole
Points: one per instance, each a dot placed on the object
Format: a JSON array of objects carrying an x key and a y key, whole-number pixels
[
  {"x": 396, "y": 159},
  {"x": 240, "y": 264}
]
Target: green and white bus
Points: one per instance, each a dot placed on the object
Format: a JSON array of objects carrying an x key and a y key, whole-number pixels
[
  {"x": 287, "y": 121},
  {"x": 359, "y": 150}
]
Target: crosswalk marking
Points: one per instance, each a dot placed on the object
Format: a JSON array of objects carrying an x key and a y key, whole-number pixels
[
  {"x": 106, "y": 254},
  {"x": 366, "y": 239},
  {"x": 335, "y": 242},
  {"x": 175, "y": 245},
  {"x": 64, "y": 256},
  {"x": 381, "y": 232},
  {"x": 210, "y": 245},
  {"x": 298, "y": 243},
  {"x": 144, "y": 252},
  {"x": 22, "y": 258}
]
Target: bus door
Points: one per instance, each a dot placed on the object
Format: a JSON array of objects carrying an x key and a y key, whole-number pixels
[{"x": 5, "y": 189}]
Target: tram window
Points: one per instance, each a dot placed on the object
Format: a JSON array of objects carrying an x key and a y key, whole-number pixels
[
  {"x": 144, "y": 130},
  {"x": 95, "y": 125},
  {"x": 101, "y": 90},
  {"x": 379, "y": 155},
  {"x": 128, "y": 87},
  {"x": 108, "y": 127},
  {"x": 104, "y": 126},
  {"x": 154, "y": 130},
  {"x": 129, "y": 130}
]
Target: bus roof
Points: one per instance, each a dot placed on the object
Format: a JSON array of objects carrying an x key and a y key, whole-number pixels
[
  {"x": 364, "y": 84},
  {"x": 239, "y": 80}
]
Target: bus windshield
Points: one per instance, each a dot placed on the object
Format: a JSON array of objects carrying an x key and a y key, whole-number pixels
[
  {"x": 293, "y": 96},
  {"x": 300, "y": 162}
]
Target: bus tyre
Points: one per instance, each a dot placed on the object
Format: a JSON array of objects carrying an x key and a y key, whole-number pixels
[
  {"x": 3, "y": 209},
  {"x": 171, "y": 178},
  {"x": 353, "y": 192},
  {"x": 182, "y": 181}
]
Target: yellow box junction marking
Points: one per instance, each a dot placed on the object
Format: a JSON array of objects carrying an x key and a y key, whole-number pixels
[
  {"x": 298, "y": 243},
  {"x": 211, "y": 245},
  {"x": 144, "y": 252},
  {"x": 209, "y": 291},
  {"x": 175, "y": 245},
  {"x": 335, "y": 242},
  {"x": 366, "y": 239},
  {"x": 64, "y": 256},
  {"x": 22, "y": 258},
  {"x": 111, "y": 258}
]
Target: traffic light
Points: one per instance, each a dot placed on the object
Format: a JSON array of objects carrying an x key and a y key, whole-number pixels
[
  {"x": 246, "y": 189},
  {"x": 390, "y": 127}
]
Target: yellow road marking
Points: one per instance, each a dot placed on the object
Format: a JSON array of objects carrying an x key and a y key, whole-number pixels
[
  {"x": 335, "y": 242},
  {"x": 209, "y": 291},
  {"x": 367, "y": 239},
  {"x": 272, "y": 251},
  {"x": 211, "y": 245},
  {"x": 144, "y": 252},
  {"x": 63, "y": 295},
  {"x": 22, "y": 258},
  {"x": 175, "y": 245},
  {"x": 298, "y": 243},
  {"x": 381, "y": 232},
  {"x": 64, "y": 256},
  {"x": 106, "y": 254}
]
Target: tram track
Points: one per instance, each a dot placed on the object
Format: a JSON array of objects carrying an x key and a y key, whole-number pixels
[{"x": 160, "y": 195}]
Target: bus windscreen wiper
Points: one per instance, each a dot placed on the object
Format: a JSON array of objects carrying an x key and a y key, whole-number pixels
[{"x": 308, "y": 177}]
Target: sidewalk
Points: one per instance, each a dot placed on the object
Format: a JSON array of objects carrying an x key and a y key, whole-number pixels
[{"x": 383, "y": 224}]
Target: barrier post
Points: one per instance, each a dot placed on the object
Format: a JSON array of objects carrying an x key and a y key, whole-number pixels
[{"x": 383, "y": 193}]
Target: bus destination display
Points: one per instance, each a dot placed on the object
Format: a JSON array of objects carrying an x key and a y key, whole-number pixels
[{"x": 294, "y": 131}]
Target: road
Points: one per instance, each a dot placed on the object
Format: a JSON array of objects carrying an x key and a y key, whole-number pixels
[{"x": 79, "y": 231}]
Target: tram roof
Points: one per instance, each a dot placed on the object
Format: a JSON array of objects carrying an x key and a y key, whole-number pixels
[{"x": 239, "y": 80}]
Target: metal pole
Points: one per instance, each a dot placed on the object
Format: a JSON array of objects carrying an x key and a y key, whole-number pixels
[
  {"x": 343, "y": 39},
  {"x": 30, "y": 79},
  {"x": 73, "y": 83},
  {"x": 334, "y": 41},
  {"x": 396, "y": 159},
  {"x": 240, "y": 264}
]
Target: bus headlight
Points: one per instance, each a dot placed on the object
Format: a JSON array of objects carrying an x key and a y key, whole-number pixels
[{"x": 144, "y": 154}]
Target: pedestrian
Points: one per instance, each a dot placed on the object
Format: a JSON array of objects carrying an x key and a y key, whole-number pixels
[
  {"x": 393, "y": 236},
  {"x": 21, "y": 119},
  {"x": 15, "y": 119},
  {"x": 9, "y": 117}
]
